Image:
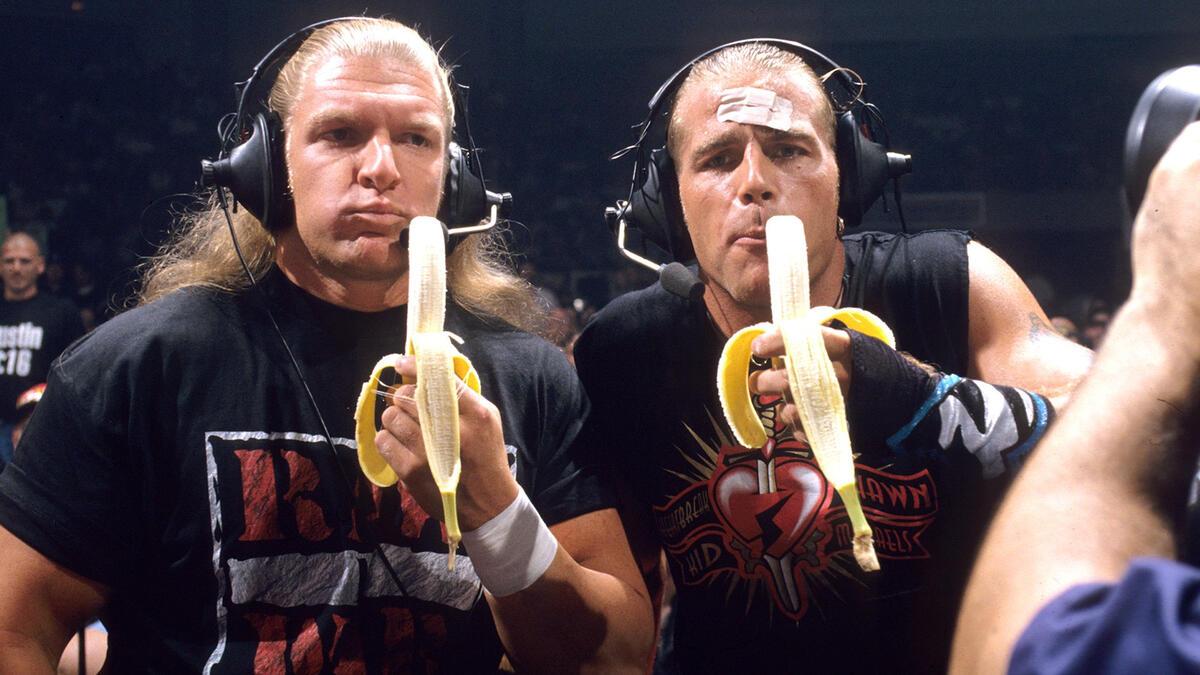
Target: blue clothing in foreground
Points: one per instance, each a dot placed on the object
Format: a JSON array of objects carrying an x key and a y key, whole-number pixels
[{"x": 1148, "y": 622}]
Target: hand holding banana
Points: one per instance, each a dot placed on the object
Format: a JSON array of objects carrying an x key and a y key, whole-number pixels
[
  {"x": 811, "y": 379},
  {"x": 425, "y": 419}
]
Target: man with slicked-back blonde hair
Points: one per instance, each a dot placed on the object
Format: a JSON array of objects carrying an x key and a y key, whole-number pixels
[
  {"x": 191, "y": 474},
  {"x": 758, "y": 541}
]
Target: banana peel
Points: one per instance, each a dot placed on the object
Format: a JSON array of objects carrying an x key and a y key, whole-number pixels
[
  {"x": 811, "y": 378},
  {"x": 373, "y": 465},
  {"x": 440, "y": 370}
]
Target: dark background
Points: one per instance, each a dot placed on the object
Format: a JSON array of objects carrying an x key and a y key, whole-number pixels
[{"x": 1015, "y": 113}]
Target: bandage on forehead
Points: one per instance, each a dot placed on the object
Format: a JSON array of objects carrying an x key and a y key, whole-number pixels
[{"x": 751, "y": 105}]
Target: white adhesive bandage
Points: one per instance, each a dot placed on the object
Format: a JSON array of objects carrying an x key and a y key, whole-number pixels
[
  {"x": 513, "y": 549},
  {"x": 751, "y": 105}
]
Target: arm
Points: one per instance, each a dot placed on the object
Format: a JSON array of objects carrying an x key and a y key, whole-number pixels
[
  {"x": 591, "y": 578},
  {"x": 41, "y": 605},
  {"x": 638, "y": 523},
  {"x": 1021, "y": 371},
  {"x": 594, "y": 581},
  {"x": 1112, "y": 477},
  {"x": 1009, "y": 338},
  {"x": 894, "y": 402}
]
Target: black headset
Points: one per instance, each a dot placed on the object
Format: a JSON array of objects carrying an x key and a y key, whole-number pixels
[
  {"x": 251, "y": 162},
  {"x": 653, "y": 206}
]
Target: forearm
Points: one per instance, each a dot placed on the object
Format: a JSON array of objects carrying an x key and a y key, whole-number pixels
[
  {"x": 917, "y": 411},
  {"x": 574, "y": 619},
  {"x": 1096, "y": 493}
]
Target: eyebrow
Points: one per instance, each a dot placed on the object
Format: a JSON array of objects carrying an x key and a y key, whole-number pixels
[
  {"x": 733, "y": 136},
  {"x": 333, "y": 117}
]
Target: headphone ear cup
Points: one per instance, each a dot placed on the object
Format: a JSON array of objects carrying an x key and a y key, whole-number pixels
[
  {"x": 864, "y": 168},
  {"x": 655, "y": 211},
  {"x": 464, "y": 195},
  {"x": 256, "y": 174}
]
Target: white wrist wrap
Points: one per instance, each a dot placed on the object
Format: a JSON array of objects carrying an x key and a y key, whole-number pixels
[{"x": 513, "y": 549}]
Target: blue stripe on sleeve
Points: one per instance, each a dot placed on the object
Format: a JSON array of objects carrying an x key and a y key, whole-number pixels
[{"x": 939, "y": 392}]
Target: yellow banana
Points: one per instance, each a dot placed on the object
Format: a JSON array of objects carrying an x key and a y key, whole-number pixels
[
  {"x": 811, "y": 378},
  {"x": 440, "y": 366}
]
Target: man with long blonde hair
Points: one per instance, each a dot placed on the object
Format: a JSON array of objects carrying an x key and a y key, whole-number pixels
[{"x": 178, "y": 480}]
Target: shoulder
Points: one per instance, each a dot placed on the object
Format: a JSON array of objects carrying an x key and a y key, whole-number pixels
[
  {"x": 926, "y": 246},
  {"x": 891, "y": 263},
  {"x": 634, "y": 318},
  {"x": 919, "y": 283},
  {"x": 997, "y": 291},
  {"x": 179, "y": 322},
  {"x": 495, "y": 345},
  {"x": 1142, "y": 623}
]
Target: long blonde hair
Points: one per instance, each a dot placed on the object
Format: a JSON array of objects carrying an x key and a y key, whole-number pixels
[{"x": 200, "y": 251}]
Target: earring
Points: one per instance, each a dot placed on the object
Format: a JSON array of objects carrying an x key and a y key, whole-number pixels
[{"x": 841, "y": 227}]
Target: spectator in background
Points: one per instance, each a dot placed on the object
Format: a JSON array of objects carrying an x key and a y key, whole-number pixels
[
  {"x": 26, "y": 402},
  {"x": 54, "y": 280},
  {"x": 34, "y": 329},
  {"x": 1065, "y": 327},
  {"x": 88, "y": 297},
  {"x": 1096, "y": 326}
]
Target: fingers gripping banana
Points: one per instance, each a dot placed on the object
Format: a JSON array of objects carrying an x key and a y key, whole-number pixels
[
  {"x": 440, "y": 366},
  {"x": 811, "y": 377}
]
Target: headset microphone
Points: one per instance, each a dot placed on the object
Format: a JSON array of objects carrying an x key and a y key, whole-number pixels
[{"x": 675, "y": 277}]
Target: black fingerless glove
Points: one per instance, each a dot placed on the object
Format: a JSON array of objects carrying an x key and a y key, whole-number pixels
[{"x": 886, "y": 390}]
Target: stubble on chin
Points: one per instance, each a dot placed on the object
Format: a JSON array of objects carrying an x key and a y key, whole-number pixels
[
  {"x": 363, "y": 263},
  {"x": 746, "y": 294}
]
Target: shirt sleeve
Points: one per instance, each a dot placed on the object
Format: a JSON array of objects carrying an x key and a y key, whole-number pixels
[
  {"x": 1148, "y": 622},
  {"x": 67, "y": 494},
  {"x": 569, "y": 478}
]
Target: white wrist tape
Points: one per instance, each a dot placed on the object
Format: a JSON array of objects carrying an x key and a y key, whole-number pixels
[{"x": 513, "y": 549}]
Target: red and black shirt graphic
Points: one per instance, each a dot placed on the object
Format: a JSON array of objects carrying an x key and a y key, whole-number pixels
[
  {"x": 307, "y": 593},
  {"x": 767, "y": 516}
]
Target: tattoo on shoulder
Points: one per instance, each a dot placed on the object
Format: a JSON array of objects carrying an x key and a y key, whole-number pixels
[{"x": 1038, "y": 328}]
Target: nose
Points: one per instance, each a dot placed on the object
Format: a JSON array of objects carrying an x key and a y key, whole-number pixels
[
  {"x": 379, "y": 171},
  {"x": 757, "y": 180}
]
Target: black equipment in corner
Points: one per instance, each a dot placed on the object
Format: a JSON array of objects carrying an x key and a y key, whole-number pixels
[{"x": 1170, "y": 103}]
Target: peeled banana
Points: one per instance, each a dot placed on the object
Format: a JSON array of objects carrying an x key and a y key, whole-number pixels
[
  {"x": 440, "y": 366},
  {"x": 811, "y": 378}
]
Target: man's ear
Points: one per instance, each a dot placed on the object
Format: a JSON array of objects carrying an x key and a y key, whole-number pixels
[{"x": 41, "y": 265}]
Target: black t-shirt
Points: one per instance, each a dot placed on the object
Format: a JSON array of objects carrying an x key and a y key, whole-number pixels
[
  {"x": 758, "y": 542},
  {"x": 176, "y": 459},
  {"x": 32, "y": 334}
]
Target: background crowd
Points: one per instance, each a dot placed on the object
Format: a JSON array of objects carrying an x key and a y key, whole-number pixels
[{"x": 1015, "y": 122}]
